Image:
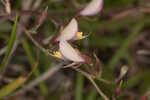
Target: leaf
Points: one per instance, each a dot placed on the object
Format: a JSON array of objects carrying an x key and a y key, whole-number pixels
[
  {"x": 125, "y": 45},
  {"x": 92, "y": 95},
  {"x": 32, "y": 62},
  {"x": 16, "y": 84},
  {"x": 10, "y": 44},
  {"x": 135, "y": 80},
  {"x": 79, "y": 87},
  {"x": 11, "y": 87}
]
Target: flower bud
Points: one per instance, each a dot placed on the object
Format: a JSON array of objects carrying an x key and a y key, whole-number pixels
[
  {"x": 118, "y": 89},
  {"x": 123, "y": 71},
  {"x": 42, "y": 17},
  {"x": 98, "y": 63}
]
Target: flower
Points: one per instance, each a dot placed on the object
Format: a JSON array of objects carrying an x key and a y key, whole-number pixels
[
  {"x": 57, "y": 54},
  {"x": 123, "y": 71},
  {"x": 70, "y": 32},
  {"x": 67, "y": 52},
  {"x": 79, "y": 35},
  {"x": 92, "y": 8}
]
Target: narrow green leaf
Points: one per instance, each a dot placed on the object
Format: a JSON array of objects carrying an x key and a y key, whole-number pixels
[
  {"x": 10, "y": 44},
  {"x": 135, "y": 80},
  {"x": 125, "y": 45},
  {"x": 92, "y": 95},
  {"x": 15, "y": 84},
  {"x": 145, "y": 84},
  {"x": 11, "y": 87},
  {"x": 79, "y": 87},
  {"x": 36, "y": 73}
]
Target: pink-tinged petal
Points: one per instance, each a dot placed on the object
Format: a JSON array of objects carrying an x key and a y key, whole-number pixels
[
  {"x": 69, "y": 52},
  {"x": 86, "y": 58},
  {"x": 69, "y": 31},
  {"x": 92, "y": 8}
]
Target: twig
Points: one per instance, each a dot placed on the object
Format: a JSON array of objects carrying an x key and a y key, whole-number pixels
[
  {"x": 37, "y": 4},
  {"x": 76, "y": 4},
  {"x": 7, "y": 6},
  {"x": 131, "y": 12},
  {"x": 109, "y": 82},
  {"x": 92, "y": 81},
  {"x": 70, "y": 65},
  {"x": 34, "y": 41},
  {"x": 3, "y": 50},
  {"x": 37, "y": 44},
  {"x": 41, "y": 78},
  {"x": 98, "y": 89}
]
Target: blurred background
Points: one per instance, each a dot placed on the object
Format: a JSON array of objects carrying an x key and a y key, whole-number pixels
[{"x": 119, "y": 35}]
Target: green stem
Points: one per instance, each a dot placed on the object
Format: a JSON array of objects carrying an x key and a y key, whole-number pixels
[
  {"x": 125, "y": 45},
  {"x": 10, "y": 44},
  {"x": 79, "y": 87},
  {"x": 25, "y": 44},
  {"x": 92, "y": 81}
]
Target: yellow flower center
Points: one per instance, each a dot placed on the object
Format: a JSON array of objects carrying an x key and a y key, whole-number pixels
[
  {"x": 79, "y": 35},
  {"x": 57, "y": 54}
]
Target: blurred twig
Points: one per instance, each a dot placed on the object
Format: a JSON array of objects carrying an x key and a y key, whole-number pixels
[
  {"x": 130, "y": 11},
  {"x": 41, "y": 78},
  {"x": 7, "y": 5},
  {"x": 6, "y": 90},
  {"x": 92, "y": 81},
  {"x": 37, "y": 4},
  {"x": 3, "y": 50}
]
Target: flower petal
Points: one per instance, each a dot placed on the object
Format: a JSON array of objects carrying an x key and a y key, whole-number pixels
[
  {"x": 92, "y": 8},
  {"x": 69, "y": 31},
  {"x": 69, "y": 52},
  {"x": 86, "y": 58}
]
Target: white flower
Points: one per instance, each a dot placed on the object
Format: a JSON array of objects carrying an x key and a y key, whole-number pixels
[
  {"x": 69, "y": 52},
  {"x": 69, "y": 32},
  {"x": 92, "y": 8}
]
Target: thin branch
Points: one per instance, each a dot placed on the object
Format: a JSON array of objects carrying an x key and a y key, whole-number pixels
[
  {"x": 45, "y": 76},
  {"x": 92, "y": 81},
  {"x": 98, "y": 89},
  {"x": 48, "y": 74},
  {"x": 37, "y": 4},
  {"x": 34, "y": 41},
  {"x": 107, "y": 81},
  {"x": 37, "y": 44},
  {"x": 3, "y": 50},
  {"x": 70, "y": 65}
]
